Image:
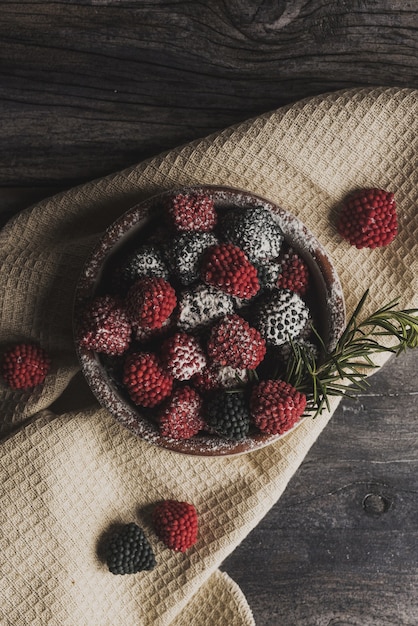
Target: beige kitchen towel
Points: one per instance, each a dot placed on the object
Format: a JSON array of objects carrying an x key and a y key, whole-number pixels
[{"x": 67, "y": 476}]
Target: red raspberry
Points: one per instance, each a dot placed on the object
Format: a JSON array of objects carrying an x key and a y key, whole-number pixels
[
  {"x": 368, "y": 218},
  {"x": 182, "y": 356},
  {"x": 181, "y": 417},
  {"x": 294, "y": 273},
  {"x": 24, "y": 366},
  {"x": 192, "y": 212},
  {"x": 276, "y": 406},
  {"x": 150, "y": 301},
  {"x": 234, "y": 342},
  {"x": 227, "y": 267},
  {"x": 176, "y": 524},
  {"x": 146, "y": 381},
  {"x": 105, "y": 327}
]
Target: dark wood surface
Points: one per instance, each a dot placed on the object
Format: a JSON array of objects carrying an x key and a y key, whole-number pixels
[{"x": 89, "y": 87}]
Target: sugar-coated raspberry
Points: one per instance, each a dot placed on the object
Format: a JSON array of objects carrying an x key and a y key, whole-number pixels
[
  {"x": 276, "y": 406},
  {"x": 192, "y": 212},
  {"x": 268, "y": 272},
  {"x": 181, "y": 417},
  {"x": 182, "y": 356},
  {"x": 176, "y": 524},
  {"x": 368, "y": 218},
  {"x": 227, "y": 267},
  {"x": 294, "y": 274},
  {"x": 150, "y": 302},
  {"x": 105, "y": 326},
  {"x": 145, "y": 380},
  {"x": 234, "y": 342},
  {"x": 25, "y": 365}
]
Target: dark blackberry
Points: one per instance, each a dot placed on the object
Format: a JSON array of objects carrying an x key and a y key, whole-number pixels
[
  {"x": 255, "y": 231},
  {"x": 268, "y": 273},
  {"x": 147, "y": 260},
  {"x": 201, "y": 306},
  {"x": 280, "y": 316},
  {"x": 184, "y": 254},
  {"x": 128, "y": 551},
  {"x": 227, "y": 413}
]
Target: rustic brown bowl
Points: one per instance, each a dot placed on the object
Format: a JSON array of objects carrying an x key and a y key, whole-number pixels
[{"x": 121, "y": 235}]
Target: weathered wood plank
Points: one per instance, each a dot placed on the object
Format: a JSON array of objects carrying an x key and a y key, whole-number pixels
[
  {"x": 90, "y": 87},
  {"x": 340, "y": 545}
]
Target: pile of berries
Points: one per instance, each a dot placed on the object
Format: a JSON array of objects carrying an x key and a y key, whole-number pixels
[
  {"x": 191, "y": 322},
  {"x": 127, "y": 550}
]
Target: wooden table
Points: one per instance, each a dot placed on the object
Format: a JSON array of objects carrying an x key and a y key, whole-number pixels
[{"x": 88, "y": 87}]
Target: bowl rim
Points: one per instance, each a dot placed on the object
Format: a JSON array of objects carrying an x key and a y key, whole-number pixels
[{"x": 113, "y": 237}]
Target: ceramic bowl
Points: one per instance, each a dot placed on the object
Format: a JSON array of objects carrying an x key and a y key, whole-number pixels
[{"x": 137, "y": 225}]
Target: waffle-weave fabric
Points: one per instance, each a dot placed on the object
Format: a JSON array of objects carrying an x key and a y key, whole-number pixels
[{"x": 66, "y": 478}]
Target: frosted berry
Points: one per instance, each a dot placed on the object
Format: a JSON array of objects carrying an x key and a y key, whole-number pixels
[
  {"x": 227, "y": 413},
  {"x": 144, "y": 335},
  {"x": 254, "y": 230},
  {"x": 146, "y": 260},
  {"x": 282, "y": 315},
  {"x": 128, "y": 551},
  {"x": 227, "y": 267},
  {"x": 185, "y": 252},
  {"x": 176, "y": 524},
  {"x": 234, "y": 342},
  {"x": 181, "y": 417},
  {"x": 192, "y": 212},
  {"x": 105, "y": 326},
  {"x": 276, "y": 406},
  {"x": 215, "y": 376},
  {"x": 150, "y": 302},
  {"x": 25, "y": 366},
  {"x": 182, "y": 356},
  {"x": 202, "y": 305},
  {"x": 145, "y": 380},
  {"x": 368, "y": 218},
  {"x": 268, "y": 273},
  {"x": 294, "y": 274}
]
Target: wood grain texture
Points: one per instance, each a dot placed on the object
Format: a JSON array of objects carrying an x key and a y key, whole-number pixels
[
  {"x": 88, "y": 87},
  {"x": 339, "y": 548}
]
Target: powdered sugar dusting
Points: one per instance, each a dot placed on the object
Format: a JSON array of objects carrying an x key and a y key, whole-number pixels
[{"x": 130, "y": 226}]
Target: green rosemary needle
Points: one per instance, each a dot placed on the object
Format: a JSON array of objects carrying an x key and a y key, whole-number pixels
[{"x": 344, "y": 370}]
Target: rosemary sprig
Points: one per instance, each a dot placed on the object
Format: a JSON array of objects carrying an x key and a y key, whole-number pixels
[{"x": 344, "y": 371}]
